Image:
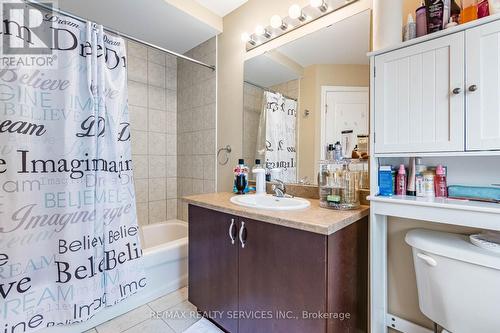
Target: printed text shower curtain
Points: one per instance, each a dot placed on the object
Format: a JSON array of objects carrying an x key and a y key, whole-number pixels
[
  {"x": 68, "y": 231},
  {"x": 276, "y": 140}
]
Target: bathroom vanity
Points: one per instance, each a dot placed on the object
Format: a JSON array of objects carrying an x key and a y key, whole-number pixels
[{"x": 275, "y": 271}]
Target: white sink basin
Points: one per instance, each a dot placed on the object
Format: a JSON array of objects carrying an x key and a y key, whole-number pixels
[{"x": 269, "y": 202}]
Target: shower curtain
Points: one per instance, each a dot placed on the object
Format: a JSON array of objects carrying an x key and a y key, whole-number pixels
[
  {"x": 69, "y": 240},
  {"x": 276, "y": 138}
]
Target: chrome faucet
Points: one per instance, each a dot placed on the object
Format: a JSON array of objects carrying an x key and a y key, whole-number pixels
[{"x": 279, "y": 188}]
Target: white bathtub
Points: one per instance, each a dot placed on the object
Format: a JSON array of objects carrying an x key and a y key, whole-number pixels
[{"x": 165, "y": 250}]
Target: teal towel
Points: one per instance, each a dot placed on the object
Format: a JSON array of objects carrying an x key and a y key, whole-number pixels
[{"x": 474, "y": 192}]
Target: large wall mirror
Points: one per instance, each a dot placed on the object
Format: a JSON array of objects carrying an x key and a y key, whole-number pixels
[{"x": 305, "y": 95}]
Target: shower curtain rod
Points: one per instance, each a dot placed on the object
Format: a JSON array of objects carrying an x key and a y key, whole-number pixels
[
  {"x": 270, "y": 90},
  {"x": 118, "y": 33}
]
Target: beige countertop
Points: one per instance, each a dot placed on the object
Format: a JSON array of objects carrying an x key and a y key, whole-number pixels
[{"x": 314, "y": 219}]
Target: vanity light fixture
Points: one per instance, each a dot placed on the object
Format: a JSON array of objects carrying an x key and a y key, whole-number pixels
[
  {"x": 296, "y": 13},
  {"x": 319, "y": 4},
  {"x": 277, "y": 22},
  {"x": 261, "y": 31},
  {"x": 246, "y": 38},
  {"x": 297, "y": 17}
]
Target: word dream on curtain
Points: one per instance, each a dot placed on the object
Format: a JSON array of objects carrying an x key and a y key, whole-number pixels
[
  {"x": 277, "y": 136},
  {"x": 69, "y": 239}
]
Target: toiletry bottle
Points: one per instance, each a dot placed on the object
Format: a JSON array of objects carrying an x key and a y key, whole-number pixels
[
  {"x": 440, "y": 186},
  {"x": 337, "y": 155},
  {"x": 436, "y": 15},
  {"x": 483, "y": 9},
  {"x": 421, "y": 18},
  {"x": 385, "y": 181},
  {"x": 401, "y": 181},
  {"x": 419, "y": 177},
  {"x": 240, "y": 177},
  {"x": 469, "y": 11},
  {"x": 429, "y": 184},
  {"x": 410, "y": 29},
  {"x": 260, "y": 178},
  {"x": 410, "y": 188},
  {"x": 330, "y": 154},
  {"x": 451, "y": 23}
]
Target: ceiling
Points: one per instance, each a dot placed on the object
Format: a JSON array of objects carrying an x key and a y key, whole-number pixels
[
  {"x": 345, "y": 42},
  {"x": 221, "y": 7},
  {"x": 153, "y": 21},
  {"x": 258, "y": 69}
]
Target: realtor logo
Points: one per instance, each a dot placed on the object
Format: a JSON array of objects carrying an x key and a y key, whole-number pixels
[{"x": 26, "y": 36}]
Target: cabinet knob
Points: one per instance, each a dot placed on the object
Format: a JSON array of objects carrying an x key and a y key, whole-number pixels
[
  {"x": 231, "y": 231},
  {"x": 473, "y": 88},
  {"x": 242, "y": 230},
  {"x": 457, "y": 91}
]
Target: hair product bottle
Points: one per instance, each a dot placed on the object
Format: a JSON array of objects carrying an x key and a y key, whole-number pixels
[
  {"x": 440, "y": 186},
  {"x": 401, "y": 181}
]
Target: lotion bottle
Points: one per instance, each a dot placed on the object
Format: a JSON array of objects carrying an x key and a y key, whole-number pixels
[{"x": 260, "y": 178}]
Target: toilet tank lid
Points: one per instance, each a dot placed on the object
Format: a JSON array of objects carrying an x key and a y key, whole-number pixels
[{"x": 454, "y": 246}]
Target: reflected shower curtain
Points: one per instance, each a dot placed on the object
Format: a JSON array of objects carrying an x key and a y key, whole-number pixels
[
  {"x": 69, "y": 240},
  {"x": 276, "y": 138}
]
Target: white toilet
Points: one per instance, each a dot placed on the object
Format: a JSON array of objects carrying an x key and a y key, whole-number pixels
[{"x": 458, "y": 283}]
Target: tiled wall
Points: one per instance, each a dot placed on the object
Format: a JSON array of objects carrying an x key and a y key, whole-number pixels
[
  {"x": 196, "y": 124},
  {"x": 252, "y": 107},
  {"x": 152, "y": 89},
  {"x": 289, "y": 89}
]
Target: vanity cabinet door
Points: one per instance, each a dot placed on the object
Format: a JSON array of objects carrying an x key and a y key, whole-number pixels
[
  {"x": 419, "y": 97},
  {"x": 282, "y": 272},
  {"x": 213, "y": 265},
  {"x": 483, "y": 87}
]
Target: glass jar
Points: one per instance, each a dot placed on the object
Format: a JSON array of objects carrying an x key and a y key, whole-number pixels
[{"x": 338, "y": 183}]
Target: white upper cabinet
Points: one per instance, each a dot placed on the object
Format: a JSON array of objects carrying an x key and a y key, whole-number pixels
[
  {"x": 483, "y": 87},
  {"x": 419, "y": 96}
]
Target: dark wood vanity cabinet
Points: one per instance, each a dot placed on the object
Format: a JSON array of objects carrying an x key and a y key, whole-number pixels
[{"x": 250, "y": 276}]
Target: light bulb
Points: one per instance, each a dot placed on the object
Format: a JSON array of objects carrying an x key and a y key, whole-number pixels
[
  {"x": 320, "y": 4},
  {"x": 295, "y": 12},
  {"x": 277, "y": 22},
  {"x": 261, "y": 31},
  {"x": 246, "y": 38}
]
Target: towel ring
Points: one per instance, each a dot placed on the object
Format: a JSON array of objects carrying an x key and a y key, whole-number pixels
[{"x": 228, "y": 150}]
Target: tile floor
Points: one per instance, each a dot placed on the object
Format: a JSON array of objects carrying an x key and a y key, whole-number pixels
[{"x": 171, "y": 313}]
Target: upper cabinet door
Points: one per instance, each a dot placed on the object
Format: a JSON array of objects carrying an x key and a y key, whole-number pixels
[
  {"x": 483, "y": 87},
  {"x": 419, "y": 97}
]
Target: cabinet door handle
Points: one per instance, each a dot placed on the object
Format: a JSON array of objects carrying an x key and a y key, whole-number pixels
[
  {"x": 242, "y": 229},
  {"x": 231, "y": 231},
  {"x": 457, "y": 91},
  {"x": 428, "y": 259},
  {"x": 473, "y": 88}
]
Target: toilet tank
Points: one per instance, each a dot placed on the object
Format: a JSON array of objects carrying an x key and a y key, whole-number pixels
[{"x": 458, "y": 283}]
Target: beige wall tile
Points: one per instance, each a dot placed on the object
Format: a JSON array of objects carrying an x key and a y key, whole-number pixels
[
  {"x": 136, "y": 50},
  {"x": 137, "y": 94},
  {"x": 171, "y": 147},
  {"x": 141, "y": 190},
  {"x": 157, "y": 166},
  {"x": 138, "y": 117},
  {"x": 197, "y": 186},
  {"x": 171, "y": 122},
  {"x": 171, "y": 166},
  {"x": 157, "y": 143},
  {"x": 139, "y": 142},
  {"x": 157, "y": 121},
  {"x": 137, "y": 69},
  {"x": 156, "y": 98},
  {"x": 141, "y": 166},
  {"x": 208, "y": 167},
  {"x": 156, "y": 56},
  {"x": 171, "y": 209},
  {"x": 172, "y": 188},
  {"x": 156, "y": 75},
  {"x": 208, "y": 186},
  {"x": 157, "y": 211},
  {"x": 142, "y": 213},
  {"x": 157, "y": 189}
]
